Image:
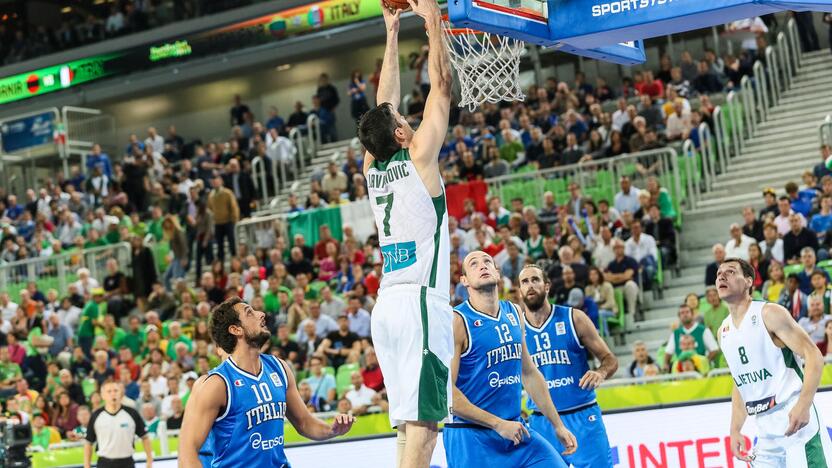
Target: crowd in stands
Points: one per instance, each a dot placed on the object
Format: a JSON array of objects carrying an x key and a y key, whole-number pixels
[
  {"x": 146, "y": 324},
  {"x": 87, "y": 22}
]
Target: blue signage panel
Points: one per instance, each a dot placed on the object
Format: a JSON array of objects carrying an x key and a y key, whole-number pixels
[{"x": 27, "y": 132}]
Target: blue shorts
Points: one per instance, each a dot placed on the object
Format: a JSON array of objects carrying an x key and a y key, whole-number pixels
[
  {"x": 588, "y": 427},
  {"x": 467, "y": 447}
]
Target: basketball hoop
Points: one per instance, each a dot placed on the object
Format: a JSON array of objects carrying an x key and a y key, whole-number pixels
[{"x": 487, "y": 65}]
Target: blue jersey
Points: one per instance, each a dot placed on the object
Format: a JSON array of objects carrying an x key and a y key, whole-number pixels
[
  {"x": 250, "y": 430},
  {"x": 491, "y": 366},
  {"x": 561, "y": 358}
]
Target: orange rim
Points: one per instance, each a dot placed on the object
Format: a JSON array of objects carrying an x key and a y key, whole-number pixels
[{"x": 446, "y": 24}]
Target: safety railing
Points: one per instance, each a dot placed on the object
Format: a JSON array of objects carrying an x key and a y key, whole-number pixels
[
  {"x": 86, "y": 127},
  {"x": 262, "y": 231},
  {"x": 59, "y": 270},
  {"x": 700, "y": 165},
  {"x": 651, "y": 379},
  {"x": 297, "y": 138},
  {"x": 313, "y": 124},
  {"x": 826, "y": 131},
  {"x": 596, "y": 177},
  {"x": 755, "y": 97}
]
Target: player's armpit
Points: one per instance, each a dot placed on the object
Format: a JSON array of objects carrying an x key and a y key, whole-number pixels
[
  {"x": 592, "y": 341},
  {"x": 208, "y": 397}
]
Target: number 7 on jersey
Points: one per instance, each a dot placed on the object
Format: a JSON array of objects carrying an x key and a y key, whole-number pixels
[{"x": 386, "y": 200}]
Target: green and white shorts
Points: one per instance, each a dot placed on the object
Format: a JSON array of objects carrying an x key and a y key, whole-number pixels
[
  {"x": 412, "y": 328},
  {"x": 810, "y": 447}
]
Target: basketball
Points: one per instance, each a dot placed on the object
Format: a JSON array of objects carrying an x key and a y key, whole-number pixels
[
  {"x": 828, "y": 163},
  {"x": 397, "y": 5}
]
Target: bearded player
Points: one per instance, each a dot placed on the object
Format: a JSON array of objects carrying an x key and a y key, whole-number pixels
[
  {"x": 411, "y": 323},
  {"x": 559, "y": 339},
  {"x": 491, "y": 366},
  {"x": 762, "y": 344},
  {"x": 244, "y": 401}
]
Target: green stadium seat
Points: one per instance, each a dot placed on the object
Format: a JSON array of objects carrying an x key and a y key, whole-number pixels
[
  {"x": 342, "y": 378},
  {"x": 618, "y": 320},
  {"x": 329, "y": 370},
  {"x": 826, "y": 265},
  {"x": 789, "y": 270}
]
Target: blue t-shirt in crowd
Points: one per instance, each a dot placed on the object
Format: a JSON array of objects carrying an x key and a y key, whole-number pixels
[
  {"x": 275, "y": 122},
  {"x": 802, "y": 206},
  {"x": 821, "y": 223}
]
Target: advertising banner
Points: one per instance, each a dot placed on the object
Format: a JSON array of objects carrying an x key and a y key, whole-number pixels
[
  {"x": 27, "y": 132},
  {"x": 687, "y": 436}
]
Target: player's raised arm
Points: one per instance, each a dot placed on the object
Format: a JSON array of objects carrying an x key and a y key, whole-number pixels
[
  {"x": 779, "y": 323},
  {"x": 305, "y": 422},
  {"x": 207, "y": 398},
  {"x": 462, "y": 407},
  {"x": 588, "y": 335},
  {"x": 538, "y": 391},
  {"x": 389, "y": 86},
  {"x": 428, "y": 139}
]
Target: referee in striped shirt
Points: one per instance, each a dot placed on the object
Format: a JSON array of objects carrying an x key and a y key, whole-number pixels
[{"x": 114, "y": 428}]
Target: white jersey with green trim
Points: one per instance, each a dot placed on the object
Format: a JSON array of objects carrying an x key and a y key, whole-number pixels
[
  {"x": 412, "y": 225},
  {"x": 765, "y": 374}
]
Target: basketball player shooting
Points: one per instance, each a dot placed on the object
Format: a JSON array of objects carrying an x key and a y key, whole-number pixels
[
  {"x": 411, "y": 323},
  {"x": 243, "y": 402},
  {"x": 760, "y": 341}
]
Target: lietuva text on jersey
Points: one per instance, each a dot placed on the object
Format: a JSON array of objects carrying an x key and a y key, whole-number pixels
[
  {"x": 752, "y": 377},
  {"x": 392, "y": 174}
]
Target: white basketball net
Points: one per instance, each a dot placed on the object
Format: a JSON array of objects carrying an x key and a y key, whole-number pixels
[{"x": 487, "y": 65}]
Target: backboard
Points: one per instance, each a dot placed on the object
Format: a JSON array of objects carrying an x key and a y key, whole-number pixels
[
  {"x": 609, "y": 30},
  {"x": 529, "y": 20}
]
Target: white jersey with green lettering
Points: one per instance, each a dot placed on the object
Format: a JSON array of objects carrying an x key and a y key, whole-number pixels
[
  {"x": 412, "y": 225},
  {"x": 765, "y": 374}
]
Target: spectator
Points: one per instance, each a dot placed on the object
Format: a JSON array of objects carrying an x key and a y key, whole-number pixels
[
  {"x": 627, "y": 198},
  {"x": 706, "y": 81},
  {"x": 820, "y": 170},
  {"x": 797, "y": 239},
  {"x": 511, "y": 267},
  {"x": 10, "y": 373},
  {"x": 771, "y": 245},
  {"x": 602, "y": 293},
  {"x": 334, "y": 179},
  {"x": 662, "y": 229},
  {"x": 782, "y": 220},
  {"x": 327, "y": 93},
  {"x": 651, "y": 114},
  {"x": 238, "y": 110},
  {"x": 242, "y": 186},
  {"x": 324, "y": 324},
  {"x": 808, "y": 260},
  {"x": 678, "y": 124},
  {"x": 358, "y": 97},
  {"x": 689, "y": 360},
  {"x": 322, "y": 385},
  {"x": 706, "y": 344},
  {"x": 798, "y": 203},
  {"x": 359, "y": 395},
  {"x": 223, "y": 205},
  {"x": 358, "y": 317},
  {"x": 342, "y": 345},
  {"x": 774, "y": 287},
  {"x": 793, "y": 299},
  {"x": 642, "y": 248},
  {"x": 815, "y": 322},
  {"x": 713, "y": 311},
  {"x": 822, "y": 221},
  {"x": 752, "y": 226},
  {"x": 737, "y": 246},
  {"x": 621, "y": 272},
  {"x": 641, "y": 359},
  {"x": 718, "y": 251}
]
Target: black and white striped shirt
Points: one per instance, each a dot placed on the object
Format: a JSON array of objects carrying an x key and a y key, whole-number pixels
[{"x": 115, "y": 432}]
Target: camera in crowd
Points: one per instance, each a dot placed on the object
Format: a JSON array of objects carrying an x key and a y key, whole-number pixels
[{"x": 14, "y": 438}]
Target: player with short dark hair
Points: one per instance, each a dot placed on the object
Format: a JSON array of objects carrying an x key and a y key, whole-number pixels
[
  {"x": 412, "y": 319},
  {"x": 243, "y": 402},
  {"x": 491, "y": 365},
  {"x": 113, "y": 428},
  {"x": 760, "y": 342},
  {"x": 559, "y": 339}
]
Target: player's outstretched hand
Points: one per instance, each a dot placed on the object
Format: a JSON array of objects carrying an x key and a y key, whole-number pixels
[
  {"x": 342, "y": 424},
  {"x": 798, "y": 419},
  {"x": 391, "y": 18},
  {"x": 427, "y": 9},
  {"x": 512, "y": 430},
  {"x": 591, "y": 380},
  {"x": 567, "y": 439},
  {"x": 738, "y": 448}
]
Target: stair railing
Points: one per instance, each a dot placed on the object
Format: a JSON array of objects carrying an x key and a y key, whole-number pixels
[{"x": 826, "y": 131}]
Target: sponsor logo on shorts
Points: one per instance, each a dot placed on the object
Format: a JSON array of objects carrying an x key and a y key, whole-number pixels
[
  {"x": 257, "y": 442},
  {"x": 495, "y": 381},
  {"x": 592, "y": 418},
  {"x": 760, "y": 406}
]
